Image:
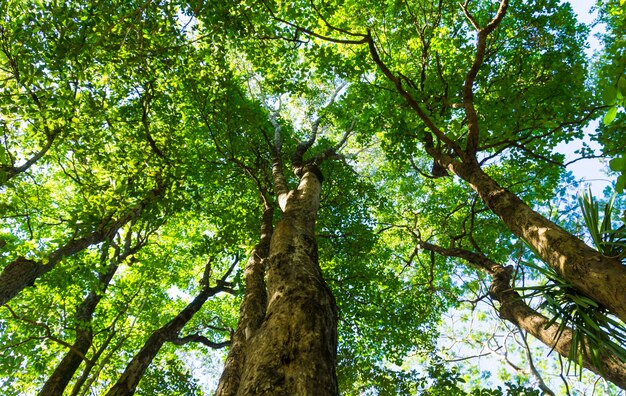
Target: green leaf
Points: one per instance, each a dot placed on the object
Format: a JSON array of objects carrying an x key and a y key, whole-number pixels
[
  {"x": 610, "y": 115},
  {"x": 621, "y": 85},
  {"x": 618, "y": 164},
  {"x": 609, "y": 95},
  {"x": 620, "y": 184},
  {"x": 4, "y": 158}
]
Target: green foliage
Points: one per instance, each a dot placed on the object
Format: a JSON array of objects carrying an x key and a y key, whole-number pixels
[
  {"x": 610, "y": 79},
  {"x": 443, "y": 380},
  {"x": 611, "y": 242},
  {"x": 168, "y": 376},
  {"x": 595, "y": 332},
  {"x": 101, "y": 103}
]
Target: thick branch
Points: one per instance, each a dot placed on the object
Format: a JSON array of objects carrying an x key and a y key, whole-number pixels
[
  {"x": 599, "y": 277},
  {"x": 515, "y": 310}
]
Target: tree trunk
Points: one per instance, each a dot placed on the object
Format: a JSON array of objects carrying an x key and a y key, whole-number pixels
[
  {"x": 601, "y": 278},
  {"x": 55, "y": 385},
  {"x": 252, "y": 309},
  {"x": 90, "y": 364},
  {"x": 293, "y": 351}
]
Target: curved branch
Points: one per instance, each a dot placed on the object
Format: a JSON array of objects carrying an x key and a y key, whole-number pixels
[
  {"x": 468, "y": 88},
  {"x": 319, "y": 36},
  {"x": 515, "y": 310},
  {"x": 12, "y": 171},
  {"x": 409, "y": 98}
]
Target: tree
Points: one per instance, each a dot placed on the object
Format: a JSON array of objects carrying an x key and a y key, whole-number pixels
[{"x": 143, "y": 139}]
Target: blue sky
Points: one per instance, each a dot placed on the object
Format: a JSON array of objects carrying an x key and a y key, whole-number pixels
[{"x": 591, "y": 170}]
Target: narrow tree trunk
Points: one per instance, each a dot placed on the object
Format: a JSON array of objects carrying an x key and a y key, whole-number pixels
[
  {"x": 252, "y": 309},
  {"x": 293, "y": 352},
  {"x": 90, "y": 364},
  {"x": 601, "y": 278},
  {"x": 128, "y": 381},
  {"x": 55, "y": 385}
]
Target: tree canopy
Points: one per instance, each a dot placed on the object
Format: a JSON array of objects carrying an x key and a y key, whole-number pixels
[{"x": 195, "y": 190}]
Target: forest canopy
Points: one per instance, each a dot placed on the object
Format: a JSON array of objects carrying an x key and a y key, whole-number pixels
[{"x": 310, "y": 198}]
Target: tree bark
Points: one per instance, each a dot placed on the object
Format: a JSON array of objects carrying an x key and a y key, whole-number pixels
[
  {"x": 128, "y": 381},
  {"x": 515, "y": 310},
  {"x": 252, "y": 309},
  {"x": 293, "y": 351}
]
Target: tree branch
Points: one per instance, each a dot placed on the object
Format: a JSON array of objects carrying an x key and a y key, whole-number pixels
[
  {"x": 468, "y": 88},
  {"x": 515, "y": 310},
  {"x": 201, "y": 339},
  {"x": 409, "y": 98}
]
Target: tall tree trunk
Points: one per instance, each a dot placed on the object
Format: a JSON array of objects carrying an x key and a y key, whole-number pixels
[
  {"x": 293, "y": 351},
  {"x": 55, "y": 385},
  {"x": 128, "y": 381},
  {"x": 90, "y": 364}
]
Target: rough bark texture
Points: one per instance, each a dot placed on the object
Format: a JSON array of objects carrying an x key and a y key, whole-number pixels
[
  {"x": 251, "y": 311},
  {"x": 515, "y": 310},
  {"x": 55, "y": 385},
  {"x": 600, "y": 277},
  {"x": 293, "y": 352}
]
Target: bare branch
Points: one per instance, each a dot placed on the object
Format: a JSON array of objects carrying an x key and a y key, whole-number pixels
[
  {"x": 469, "y": 16},
  {"x": 278, "y": 174},
  {"x": 531, "y": 364},
  {"x": 201, "y": 339}
]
